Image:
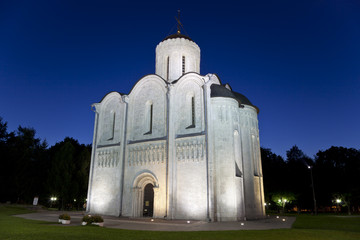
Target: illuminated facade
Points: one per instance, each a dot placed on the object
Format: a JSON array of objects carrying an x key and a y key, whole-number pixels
[{"x": 180, "y": 145}]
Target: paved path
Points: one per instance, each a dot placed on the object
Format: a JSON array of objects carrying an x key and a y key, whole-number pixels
[{"x": 167, "y": 225}]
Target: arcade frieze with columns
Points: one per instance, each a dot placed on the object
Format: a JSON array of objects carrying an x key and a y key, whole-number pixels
[
  {"x": 108, "y": 158},
  {"x": 146, "y": 153},
  {"x": 191, "y": 149}
]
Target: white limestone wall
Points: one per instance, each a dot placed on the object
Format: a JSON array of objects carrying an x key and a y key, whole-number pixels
[
  {"x": 173, "y": 50},
  {"x": 236, "y": 165},
  {"x": 223, "y": 113},
  {"x": 146, "y": 162},
  {"x": 210, "y": 144},
  {"x": 106, "y": 184},
  {"x": 187, "y": 148},
  {"x": 104, "y": 194},
  {"x": 191, "y": 191},
  {"x": 146, "y": 157},
  {"x": 239, "y": 172},
  {"x": 149, "y": 91},
  {"x": 188, "y": 89},
  {"x": 111, "y": 119},
  {"x": 253, "y": 183}
]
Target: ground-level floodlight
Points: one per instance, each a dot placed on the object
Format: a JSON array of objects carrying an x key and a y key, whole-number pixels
[
  {"x": 52, "y": 199},
  {"x": 338, "y": 201},
  {"x": 313, "y": 188}
]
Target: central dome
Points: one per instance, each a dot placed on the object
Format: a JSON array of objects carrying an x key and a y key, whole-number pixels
[
  {"x": 177, "y": 35},
  {"x": 177, "y": 55}
]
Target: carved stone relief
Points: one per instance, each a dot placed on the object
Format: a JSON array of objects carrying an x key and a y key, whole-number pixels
[
  {"x": 107, "y": 158},
  {"x": 190, "y": 149},
  {"x": 143, "y": 154}
]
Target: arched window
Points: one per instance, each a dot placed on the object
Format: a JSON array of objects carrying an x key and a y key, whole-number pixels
[
  {"x": 237, "y": 154},
  {"x": 256, "y": 155},
  {"x": 112, "y": 126},
  {"x": 191, "y": 110},
  {"x": 183, "y": 64},
  {"x": 167, "y": 68},
  {"x": 109, "y": 126},
  {"x": 148, "y": 117}
]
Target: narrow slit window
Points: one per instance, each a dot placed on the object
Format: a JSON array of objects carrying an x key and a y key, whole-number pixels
[
  {"x": 113, "y": 126},
  {"x": 110, "y": 127},
  {"x": 238, "y": 173},
  {"x": 192, "y": 119},
  {"x": 237, "y": 154},
  {"x": 149, "y": 118},
  {"x": 255, "y": 156},
  {"x": 167, "y": 68},
  {"x": 193, "y": 111},
  {"x": 183, "y": 64}
]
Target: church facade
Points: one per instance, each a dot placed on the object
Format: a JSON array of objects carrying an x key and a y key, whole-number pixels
[{"x": 180, "y": 145}]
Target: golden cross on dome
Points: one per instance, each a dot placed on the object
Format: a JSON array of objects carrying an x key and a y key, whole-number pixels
[{"x": 178, "y": 22}]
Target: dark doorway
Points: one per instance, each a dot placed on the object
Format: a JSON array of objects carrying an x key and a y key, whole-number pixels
[{"x": 148, "y": 200}]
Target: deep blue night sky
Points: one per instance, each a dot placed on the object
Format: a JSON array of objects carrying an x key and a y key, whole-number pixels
[{"x": 298, "y": 61}]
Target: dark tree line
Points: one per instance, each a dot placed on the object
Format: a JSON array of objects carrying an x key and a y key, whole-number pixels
[
  {"x": 29, "y": 169},
  {"x": 335, "y": 176}
]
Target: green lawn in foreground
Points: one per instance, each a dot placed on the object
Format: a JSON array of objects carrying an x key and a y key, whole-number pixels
[
  {"x": 306, "y": 227},
  {"x": 328, "y": 222}
]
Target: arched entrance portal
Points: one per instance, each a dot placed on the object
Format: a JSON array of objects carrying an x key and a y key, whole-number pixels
[
  {"x": 148, "y": 200},
  {"x": 145, "y": 195}
]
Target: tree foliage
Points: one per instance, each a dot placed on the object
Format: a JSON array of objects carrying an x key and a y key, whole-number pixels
[
  {"x": 30, "y": 168},
  {"x": 274, "y": 169},
  {"x": 335, "y": 173},
  {"x": 23, "y": 156},
  {"x": 283, "y": 199},
  {"x": 68, "y": 175},
  {"x": 338, "y": 170}
]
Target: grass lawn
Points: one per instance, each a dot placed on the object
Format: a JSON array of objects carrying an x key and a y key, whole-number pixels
[{"x": 306, "y": 227}]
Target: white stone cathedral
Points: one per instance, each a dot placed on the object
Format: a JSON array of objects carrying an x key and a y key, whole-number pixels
[{"x": 180, "y": 145}]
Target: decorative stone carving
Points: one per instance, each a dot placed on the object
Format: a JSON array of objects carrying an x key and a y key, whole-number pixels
[
  {"x": 146, "y": 153},
  {"x": 190, "y": 149},
  {"x": 107, "y": 158}
]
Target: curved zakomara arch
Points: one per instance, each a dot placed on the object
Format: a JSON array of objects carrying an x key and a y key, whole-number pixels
[
  {"x": 199, "y": 79},
  {"x": 106, "y": 99},
  {"x": 155, "y": 79},
  {"x": 111, "y": 95},
  {"x": 143, "y": 178},
  {"x": 193, "y": 77},
  {"x": 103, "y": 109}
]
